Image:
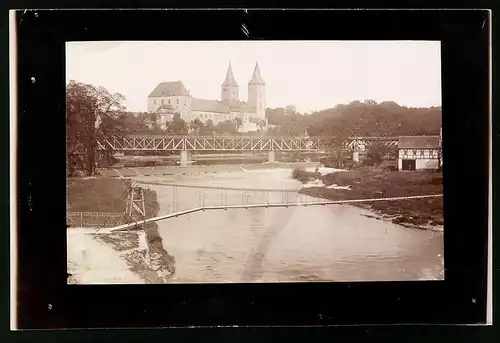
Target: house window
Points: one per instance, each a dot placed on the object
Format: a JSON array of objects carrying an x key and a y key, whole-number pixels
[
  {"x": 162, "y": 101},
  {"x": 154, "y": 102},
  {"x": 169, "y": 101},
  {"x": 177, "y": 101}
]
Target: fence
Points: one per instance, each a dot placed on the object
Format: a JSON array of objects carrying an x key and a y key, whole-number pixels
[{"x": 95, "y": 219}]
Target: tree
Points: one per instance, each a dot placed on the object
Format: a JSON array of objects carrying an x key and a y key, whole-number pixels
[
  {"x": 275, "y": 116},
  {"x": 209, "y": 128},
  {"x": 226, "y": 126},
  {"x": 195, "y": 128},
  {"x": 261, "y": 124},
  {"x": 177, "y": 126},
  {"x": 92, "y": 115},
  {"x": 238, "y": 122},
  {"x": 132, "y": 123},
  {"x": 376, "y": 153}
]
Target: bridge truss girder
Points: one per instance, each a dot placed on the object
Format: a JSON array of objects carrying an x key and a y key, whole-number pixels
[{"x": 139, "y": 143}]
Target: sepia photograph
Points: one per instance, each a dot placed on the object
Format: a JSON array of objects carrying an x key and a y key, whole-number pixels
[{"x": 253, "y": 161}]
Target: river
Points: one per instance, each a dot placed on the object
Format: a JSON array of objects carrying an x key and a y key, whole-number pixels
[{"x": 316, "y": 243}]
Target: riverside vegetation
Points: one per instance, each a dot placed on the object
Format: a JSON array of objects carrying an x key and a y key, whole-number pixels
[{"x": 378, "y": 182}]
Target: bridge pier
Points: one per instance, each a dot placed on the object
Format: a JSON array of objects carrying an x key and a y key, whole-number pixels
[
  {"x": 271, "y": 156},
  {"x": 185, "y": 157},
  {"x": 355, "y": 156}
]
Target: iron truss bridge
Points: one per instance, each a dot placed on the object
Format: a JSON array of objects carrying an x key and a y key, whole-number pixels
[{"x": 190, "y": 143}]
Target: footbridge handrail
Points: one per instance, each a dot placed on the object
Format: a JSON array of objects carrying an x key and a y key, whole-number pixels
[
  {"x": 217, "y": 187},
  {"x": 270, "y": 205}
]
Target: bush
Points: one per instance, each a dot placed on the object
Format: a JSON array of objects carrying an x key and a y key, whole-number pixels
[
  {"x": 297, "y": 172},
  {"x": 376, "y": 154},
  {"x": 304, "y": 176}
]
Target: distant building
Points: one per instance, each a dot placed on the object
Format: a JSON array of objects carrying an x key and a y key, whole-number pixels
[
  {"x": 290, "y": 109},
  {"x": 175, "y": 95},
  {"x": 418, "y": 152},
  {"x": 164, "y": 115}
]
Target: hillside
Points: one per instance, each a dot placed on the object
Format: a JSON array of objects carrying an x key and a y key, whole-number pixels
[{"x": 360, "y": 118}]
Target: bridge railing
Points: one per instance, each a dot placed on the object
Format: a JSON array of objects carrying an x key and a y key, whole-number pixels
[
  {"x": 174, "y": 198},
  {"x": 177, "y": 198}
]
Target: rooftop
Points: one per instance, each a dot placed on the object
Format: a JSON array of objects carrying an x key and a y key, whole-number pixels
[
  {"x": 418, "y": 142},
  {"x": 256, "y": 78},
  {"x": 208, "y": 105},
  {"x": 230, "y": 80},
  {"x": 172, "y": 88}
]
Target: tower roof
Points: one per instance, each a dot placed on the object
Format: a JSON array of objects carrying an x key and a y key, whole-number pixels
[
  {"x": 256, "y": 78},
  {"x": 230, "y": 80}
]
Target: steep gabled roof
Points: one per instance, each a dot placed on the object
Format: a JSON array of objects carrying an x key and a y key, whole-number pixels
[
  {"x": 230, "y": 80},
  {"x": 418, "y": 142},
  {"x": 173, "y": 88},
  {"x": 208, "y": 105},
  {"x": 256, "y": 78}
]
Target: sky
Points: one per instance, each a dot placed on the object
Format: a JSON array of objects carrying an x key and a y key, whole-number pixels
[{"x": 311, "y": 75}]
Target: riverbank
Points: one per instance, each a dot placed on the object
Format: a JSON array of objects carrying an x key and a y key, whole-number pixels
[
  {"x": 150, "y": 261},
  {"x": 369, "y": 182}
]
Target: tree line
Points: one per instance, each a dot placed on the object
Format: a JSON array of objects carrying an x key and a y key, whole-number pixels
[{"x": 365, "y": 118}]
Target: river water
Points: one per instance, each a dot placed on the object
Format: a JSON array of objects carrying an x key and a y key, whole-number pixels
[{"x": 315, "y": 243}]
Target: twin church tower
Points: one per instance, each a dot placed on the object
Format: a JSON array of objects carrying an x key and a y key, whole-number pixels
[
  {"x": 173, "y": 97},
  {"x": 256, "y": 91}
]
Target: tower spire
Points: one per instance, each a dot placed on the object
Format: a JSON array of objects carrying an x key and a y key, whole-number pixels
[
  {"x": 256, "y": 78},
  {"x": 230, "y": 80}
]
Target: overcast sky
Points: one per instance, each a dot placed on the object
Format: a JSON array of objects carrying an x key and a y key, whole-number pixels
[{"x": 312, "y": 75}]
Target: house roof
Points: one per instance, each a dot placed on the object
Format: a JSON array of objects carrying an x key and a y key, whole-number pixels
[
  {"x": 172, "y": 88},
  {"x": 208, "y": 105},
  {"x": 418, "y": 142}
]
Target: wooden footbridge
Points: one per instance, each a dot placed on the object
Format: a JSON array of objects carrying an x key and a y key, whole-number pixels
[{"x": 185, "y": 199}]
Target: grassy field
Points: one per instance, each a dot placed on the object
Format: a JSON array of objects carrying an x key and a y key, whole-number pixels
[
  {"x": 369, "y": 182},
  {"x": 102, "y": 194},
  {"x": 96, "y": 195}
]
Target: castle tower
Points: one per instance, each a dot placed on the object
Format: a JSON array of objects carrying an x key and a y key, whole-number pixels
[
  {"x": 257, "y": 93},
  {"x": 229, "y": 88}
]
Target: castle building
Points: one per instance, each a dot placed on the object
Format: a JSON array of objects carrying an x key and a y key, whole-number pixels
[{"x": 173, "y": 97}]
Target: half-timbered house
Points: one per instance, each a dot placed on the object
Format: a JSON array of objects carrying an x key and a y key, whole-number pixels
[{"x": 418, "y": 152}]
